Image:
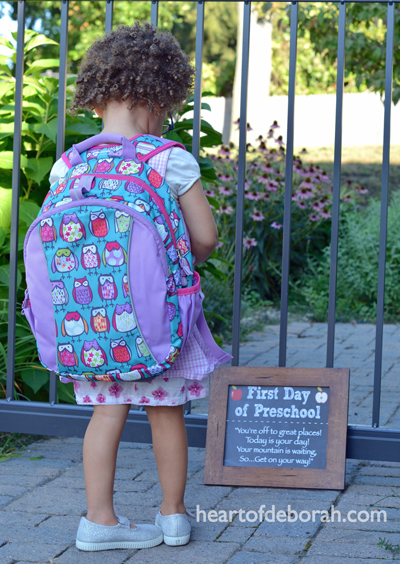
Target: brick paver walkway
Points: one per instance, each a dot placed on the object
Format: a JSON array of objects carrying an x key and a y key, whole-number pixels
[{"x": 42, "y": 499}]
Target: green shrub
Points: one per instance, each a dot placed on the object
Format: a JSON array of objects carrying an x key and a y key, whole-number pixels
[{"x": 357, "y": 281}]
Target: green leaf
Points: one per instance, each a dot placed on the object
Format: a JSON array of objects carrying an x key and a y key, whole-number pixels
[
  {"x": 5, "y": 276},
  {"x": 37, "y": 169},
  {"x": 213, "y": 201},
  {"x": 35, "y": 377},
  {"x": 28, "y": 211},
  {"x": 6, "y": 160},
  {"x": 39, "y": 40},
  {"x": 36, "y": 457},
  {"x": 42, "y": 64},
  {"x": 2, "y": 236},
  {"x": 39, "y": 87},
  {"x": 7, "y": 43},
  {"x": 5, "y": 209},
  {"x": 49, "y": 129}
]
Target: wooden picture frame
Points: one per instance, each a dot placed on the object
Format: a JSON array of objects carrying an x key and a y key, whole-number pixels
[{"x": 329, "y": 477}]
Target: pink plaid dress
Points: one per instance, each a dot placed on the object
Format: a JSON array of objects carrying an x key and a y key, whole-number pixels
[{"x": 188, "y": 378}]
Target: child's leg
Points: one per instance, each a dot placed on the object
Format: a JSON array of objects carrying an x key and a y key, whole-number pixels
[
  {"x": 171, "y": 454},
  {"x": 100, "y": 448}
]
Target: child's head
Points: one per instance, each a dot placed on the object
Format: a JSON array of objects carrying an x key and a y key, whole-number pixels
[{"x": 138, "y": 64}]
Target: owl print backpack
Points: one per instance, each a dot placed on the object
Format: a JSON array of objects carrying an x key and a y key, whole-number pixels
[{"x": 111, "y": 292}]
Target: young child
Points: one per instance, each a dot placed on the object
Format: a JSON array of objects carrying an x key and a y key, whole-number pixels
[{"x": 133, "y": 77}]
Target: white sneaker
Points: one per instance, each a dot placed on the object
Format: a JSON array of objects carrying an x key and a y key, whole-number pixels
[
  {"x": 93, "y": 536},
  {"x": 176, "y": 528}
]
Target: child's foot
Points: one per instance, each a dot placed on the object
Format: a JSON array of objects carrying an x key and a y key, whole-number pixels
[
  {"x": 176, "y": 528},
  {"x": 92, "y": 536}
]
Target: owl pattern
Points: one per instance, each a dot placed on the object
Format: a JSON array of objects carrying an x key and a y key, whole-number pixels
[{"x": 82, "y": 251}]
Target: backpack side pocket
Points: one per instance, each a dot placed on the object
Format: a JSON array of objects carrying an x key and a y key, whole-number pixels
[
  {"x": 40, "y": 314},
  {"x": 190, "y": 305}
]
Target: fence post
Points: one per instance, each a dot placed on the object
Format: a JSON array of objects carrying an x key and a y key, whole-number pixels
[
  {"x": 16, "y": 178},
  {"x": 288, "y": 187},
  {"x": 336, "y": 187},
  {"x": 384, "y": 215},
  {"x": 237, "y": 292}
]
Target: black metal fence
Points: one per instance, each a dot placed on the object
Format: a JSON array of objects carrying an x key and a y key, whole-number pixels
[{"x": 371, "y": 443}]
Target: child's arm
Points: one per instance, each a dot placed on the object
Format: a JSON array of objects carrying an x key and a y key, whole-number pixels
[{"x": 200, "y": 222}]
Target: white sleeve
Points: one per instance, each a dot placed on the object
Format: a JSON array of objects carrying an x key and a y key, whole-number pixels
[
  {"x": 58, "y": 171},
  {"x": 182, "y": 171}
]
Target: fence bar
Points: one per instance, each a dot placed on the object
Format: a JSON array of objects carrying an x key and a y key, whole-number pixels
[
  {"x": 109, "y": 15},
  {"x": 330, "y": 350},
  {"x": 288, "y": 187},
  {"x": 16, "y": 176},
  {"x": 197, "y": 90},
  {"x": 154, "y": 12},
  {"x": 384, "y": 214},
  {"x": 237, "y": 288},
  {"x": 62, "y": 78},
  {"x": 62, "y": 84}
]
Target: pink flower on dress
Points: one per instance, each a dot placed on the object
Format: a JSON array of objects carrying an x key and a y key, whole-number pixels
[
  {"x": 183, "y": 389},
  {"x": 136, "y": 388},
  {"x": 93, "y": 385},
  {"x": 143, "y": 399},
  {"x": 128, "y": 400},
  {"x": 100, "y": 398},
  {"x": 195, "y": 389},
  {"x": 165, "y": 379},
  {"x": 160, "y": 393},
  {"x": 115, "y": 390},
  {"x": 86, "y": 399},
  {"x": 76, "y": 386}
]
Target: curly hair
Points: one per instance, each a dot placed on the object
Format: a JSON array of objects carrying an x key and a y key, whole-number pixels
[{"x": 137, "y": 63}]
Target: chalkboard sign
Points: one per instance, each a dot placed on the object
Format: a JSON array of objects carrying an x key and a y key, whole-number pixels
[{"x": 277, "y": 426}]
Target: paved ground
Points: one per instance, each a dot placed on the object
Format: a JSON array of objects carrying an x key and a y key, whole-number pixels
[{"x": 42, "y": 492}]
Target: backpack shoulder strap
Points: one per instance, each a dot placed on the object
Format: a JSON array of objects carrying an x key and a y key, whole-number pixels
[
  {"x": 66, "y": 157},
  {"x": 148, "y": 146}
]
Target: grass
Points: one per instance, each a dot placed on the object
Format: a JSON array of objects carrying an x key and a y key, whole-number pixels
[
  {"x": 10, "y": 442},
  {"x": 360, "y": 164}
]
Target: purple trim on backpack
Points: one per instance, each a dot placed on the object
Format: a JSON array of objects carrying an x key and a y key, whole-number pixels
[
  {"x": 39, "y": 287},
  {"x": 149, "y": 291},
  {"x": 128, "y": 149}
]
